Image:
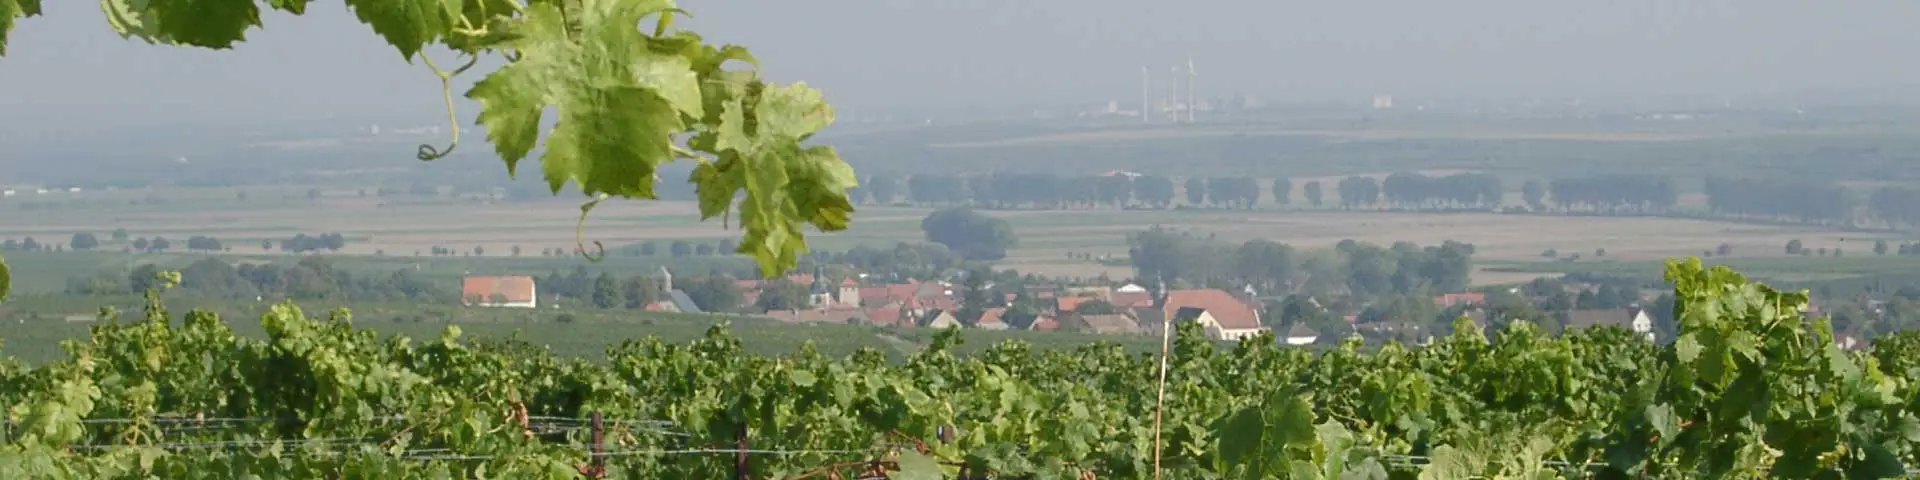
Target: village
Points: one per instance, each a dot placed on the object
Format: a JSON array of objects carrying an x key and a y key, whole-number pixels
[{"x": 1124, "y": 309}]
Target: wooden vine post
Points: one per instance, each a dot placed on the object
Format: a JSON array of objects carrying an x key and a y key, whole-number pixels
[
  {"x": 597, "y": 459},
  {"x": 1160, "y": 401},
  {"x": 740, "y": 467}
]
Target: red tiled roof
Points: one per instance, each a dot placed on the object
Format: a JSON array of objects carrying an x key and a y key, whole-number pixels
[
  {"x": 1229, "y": 311},
  {"x": 992, "y": 316},
  {"x": 1132, "y": 299},
  {"x": 1451, "y": 299},
  {"x": 837, "y": 315},
  {"x": 516, "y": 288},
  {"x": 885, "y": 316},
  {"x": 1067, "y": 304},
  {"x": 1044, "y": 323},
  {"x": 1112, "y": 324},
  {"x": 875, "y": 295}
]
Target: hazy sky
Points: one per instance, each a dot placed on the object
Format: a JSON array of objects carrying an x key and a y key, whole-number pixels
[{"x": 911, "y": 53}]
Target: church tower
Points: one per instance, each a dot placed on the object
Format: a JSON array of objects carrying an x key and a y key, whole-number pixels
[
  {"x": 850, "y": 292},
  {"x": 820, "y": 295}
]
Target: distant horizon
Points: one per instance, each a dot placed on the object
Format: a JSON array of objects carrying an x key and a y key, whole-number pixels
[{"x": 68, "y": 68}]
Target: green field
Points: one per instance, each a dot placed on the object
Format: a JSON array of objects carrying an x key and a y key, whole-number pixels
[
  {"x": 1786, "y": 269},
  {"x": 389, "y": 237},
  {"x": 33, "y": 326}
]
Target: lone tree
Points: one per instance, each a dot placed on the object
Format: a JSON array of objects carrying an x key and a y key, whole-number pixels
[
  {"x": 1794, "y": 247},
  {"x": 84, "y": 241},
  {"x": 1534, "y": 192},
  {"x": 972, "y": 235}
]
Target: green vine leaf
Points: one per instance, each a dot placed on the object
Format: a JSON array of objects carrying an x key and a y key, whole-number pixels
[
  {"x": 914, "y": 466},
  {"x": 613, "y": 129},
  {"x": 11, "y": 11},
  {"x": 408, "y": 25},
  {"x": 215, "y": 24},
  {"x": 6, "y": 280}
]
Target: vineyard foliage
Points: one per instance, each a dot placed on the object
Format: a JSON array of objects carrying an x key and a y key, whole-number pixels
[
  {"x": 627, "y": 90},
  {"x": 1749, "y": 389}
]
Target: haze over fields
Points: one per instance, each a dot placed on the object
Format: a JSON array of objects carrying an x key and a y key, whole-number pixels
[
  {"x": 1344, "y": 239},
  {"x": 67, "y": 67},
  {"x": 1539, "y": 132}
]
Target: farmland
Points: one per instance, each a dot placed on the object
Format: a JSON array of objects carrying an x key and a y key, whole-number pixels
[
  {"x": 387, "y": 234},
  {"x": 32, "y": 327}
]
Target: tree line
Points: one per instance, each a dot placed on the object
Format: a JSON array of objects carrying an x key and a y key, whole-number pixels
[
  {"x": 712, "y": 292},
  {"x": 302, "y": 243},
  {"x": 1009, "y": 190},
  {"x": 312, "y": 278},
  {"x": 88, "y": 241},
  {"x": 1808, "y": 201},
  {"x": 1778, "y": 199},
  {"x": 1351, "y": 268},
  {"x": 1613, "y": 194}
]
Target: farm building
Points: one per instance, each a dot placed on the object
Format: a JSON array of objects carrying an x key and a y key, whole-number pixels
[{"x": 499, "y": 291}]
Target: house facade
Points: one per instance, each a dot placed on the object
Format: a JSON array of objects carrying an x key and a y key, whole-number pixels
[
  {"x": 1632, "y": 318},
  {"x": 1222, "y": 315}
]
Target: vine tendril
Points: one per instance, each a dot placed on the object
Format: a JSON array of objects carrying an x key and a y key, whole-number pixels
[
  {"x": 426, "y": 152},
  {"x": 580, "y": 232}
]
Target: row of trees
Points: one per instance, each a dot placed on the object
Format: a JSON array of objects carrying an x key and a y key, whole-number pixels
[
  {"x": 1778, "y": 199},
  {"x": 713, "y": 293},
  {"x": 1811, "y": 201},
  {"x": 1896, "y": 205},
  {"x": 313, "y": 278},
  {"x": 87, "y": 241},
  {"x": 1272, "y": 268},
  {"x": 685, "y": 248},
  {"x": 1546, "y": 302},
  {"x": 302, "y": 243},
  {"x": 1610, "y": 194},
  {"x": 1460, "y": 190},
  {"x": 1624, "y": 193},
  {"x": 1047, "y": 191}
]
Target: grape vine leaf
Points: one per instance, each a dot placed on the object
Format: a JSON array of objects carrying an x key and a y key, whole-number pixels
[
  {"x": 408, "y": 25},
  {"x": 6, "y": 278},
  {"x": 11, "y": 11},
  {"x": 296, "y": 7},
  {"x": 613, "y": 129},
  {"x": 214, "y": 24},
  {"x": 760, "y": 144},
  {"x": 914, "y": 466}
]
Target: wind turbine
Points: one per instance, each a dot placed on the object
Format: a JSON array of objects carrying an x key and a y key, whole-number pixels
[
  {"x": 1173, "y": 94},
  {"x": 1146, "y": 95},
  {"x": 1192, "y": 103}
]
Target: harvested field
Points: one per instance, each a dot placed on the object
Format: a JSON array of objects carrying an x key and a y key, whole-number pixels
[{"x": 1047, "y": 238}]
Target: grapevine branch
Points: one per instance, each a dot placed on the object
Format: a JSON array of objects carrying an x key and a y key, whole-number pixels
[
  {"x": 428, "y": 153},
  {"x": 1160, "y": 401},
  {"x": 580, "y": 231}
]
